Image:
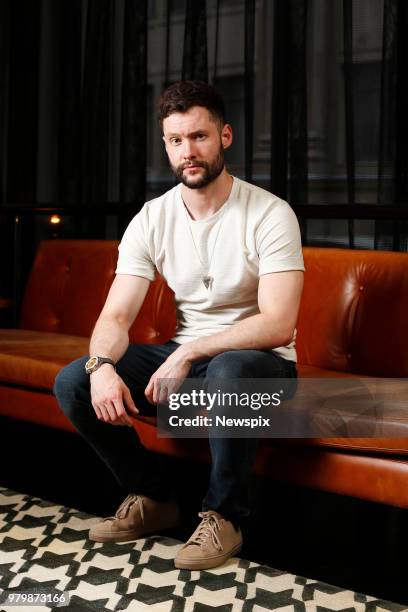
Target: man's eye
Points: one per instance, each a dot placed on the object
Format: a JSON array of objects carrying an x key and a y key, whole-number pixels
[
  {"x": 200, "y": 136},
  {"x": 175, "y": 141}
]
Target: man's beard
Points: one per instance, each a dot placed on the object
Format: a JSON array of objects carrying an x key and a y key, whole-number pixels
[{"x": 211, "y": 171}]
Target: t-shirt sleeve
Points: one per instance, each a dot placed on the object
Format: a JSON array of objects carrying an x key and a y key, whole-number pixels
[
  {"x": 134, "y": 256},
  {"x": 278, "y": 241}
]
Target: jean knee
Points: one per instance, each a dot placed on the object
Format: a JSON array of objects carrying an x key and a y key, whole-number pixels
[
  {"x": 225, "y": 366},
  {"x": 69, "y": 381}
]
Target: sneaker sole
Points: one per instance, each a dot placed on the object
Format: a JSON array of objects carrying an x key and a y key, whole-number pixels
[
  {"x": 127, "y": 536},
  {"x": 202, "y": 564}
]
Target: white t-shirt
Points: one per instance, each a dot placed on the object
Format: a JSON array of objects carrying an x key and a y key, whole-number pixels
[{"x": 253, "y": 233}]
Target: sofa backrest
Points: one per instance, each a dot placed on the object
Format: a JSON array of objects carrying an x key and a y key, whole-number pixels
[
  {"x": 68, "y": 285},
  {"x": 353, "y": 315},
  {"x": 354, "y": 311}
]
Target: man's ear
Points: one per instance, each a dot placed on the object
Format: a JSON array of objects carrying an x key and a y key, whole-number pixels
[{"x": 226, "y": 136}]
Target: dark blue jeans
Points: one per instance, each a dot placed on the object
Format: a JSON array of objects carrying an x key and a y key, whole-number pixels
[{"x": 141, "y": 471}]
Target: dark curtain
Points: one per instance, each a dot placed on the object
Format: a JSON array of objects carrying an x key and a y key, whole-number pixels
[
  {"x": 97, "y": 84},
  {"x": 349, "y": 109},
  {"x": 393, "y": 155},
  {"x": 21, "y": 93},
  {"x": 195, "y": 60},
  {"x": 73, "y": 102},
  {"x": 289, "y": 102},
  {"x": 401, "y": 117},
  {"x": 69, "y": 103},
  {"x": 280, "y": 99},
  {"x": 134, "y": 112},
  {"x": 249, "y": 85},
  {"x": 316, "y": 91},
  {"x": 297, "y": 102},
  {"x": 386, "y": 190}
]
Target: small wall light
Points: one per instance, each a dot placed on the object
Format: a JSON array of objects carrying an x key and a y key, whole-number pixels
[{"x": 55, "y": 219}]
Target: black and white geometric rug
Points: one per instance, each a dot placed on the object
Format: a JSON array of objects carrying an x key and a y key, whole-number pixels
[{"x": 45, "y": 553}]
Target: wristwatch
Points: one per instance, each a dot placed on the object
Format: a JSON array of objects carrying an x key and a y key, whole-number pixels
[{"x": 95, "y": 362}]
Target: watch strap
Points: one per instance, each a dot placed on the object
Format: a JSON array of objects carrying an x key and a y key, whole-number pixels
[{"x": 95, "y": 362}]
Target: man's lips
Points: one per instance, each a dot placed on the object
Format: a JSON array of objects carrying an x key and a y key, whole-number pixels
[{"x": 192, "y": 166}]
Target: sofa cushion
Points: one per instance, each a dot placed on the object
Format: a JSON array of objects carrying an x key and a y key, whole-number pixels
[
  {"x": 353, "y": 312},
  {"x": 347, "y": 294},
  {"x": 68, "y": 285},
  {"x": 32, "y": 359},
  {"x": 310, "y": 371},
  {"x": 382, "y": 446},
  {"x": 67, "y": 289}
]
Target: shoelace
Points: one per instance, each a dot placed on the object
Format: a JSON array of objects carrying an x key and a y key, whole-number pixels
[
  {"x": 125, "y": 506},
  {"x": 207, "y": 528}
]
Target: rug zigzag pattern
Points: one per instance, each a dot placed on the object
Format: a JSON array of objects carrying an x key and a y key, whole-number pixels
[{"x": 45, "y": 546}]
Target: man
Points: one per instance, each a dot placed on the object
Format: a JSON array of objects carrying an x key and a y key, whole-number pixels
[{"x": 232, "y": 254}]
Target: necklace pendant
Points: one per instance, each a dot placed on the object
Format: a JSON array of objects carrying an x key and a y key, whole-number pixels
[{"x": 207, "y": 280}]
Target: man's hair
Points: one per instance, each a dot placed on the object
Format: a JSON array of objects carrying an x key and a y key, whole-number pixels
[{"x": 182, "y": 95}]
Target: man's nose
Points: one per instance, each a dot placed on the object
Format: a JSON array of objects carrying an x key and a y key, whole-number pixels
[{"x": 188, "y": 149}]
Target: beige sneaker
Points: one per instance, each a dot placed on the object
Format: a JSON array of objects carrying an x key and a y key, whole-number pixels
[
  {"x": 214, "y": 541},
  {"x": 136, "y": 517}
]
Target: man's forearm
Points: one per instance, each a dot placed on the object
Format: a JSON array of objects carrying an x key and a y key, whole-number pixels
[
  {"x": 260, "y": 331},
  {"x": 110, "y": 338}
]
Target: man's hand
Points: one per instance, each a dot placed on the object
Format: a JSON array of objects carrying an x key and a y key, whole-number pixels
[
  {"x": 175, "y": 369},
  {"x": 110, "y": 397}
]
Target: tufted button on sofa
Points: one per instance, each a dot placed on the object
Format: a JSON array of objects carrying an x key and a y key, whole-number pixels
[{"x": 352, "y": 323}]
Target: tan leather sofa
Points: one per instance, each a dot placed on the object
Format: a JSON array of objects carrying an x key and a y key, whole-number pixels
[{"x": 353, "y": 322}]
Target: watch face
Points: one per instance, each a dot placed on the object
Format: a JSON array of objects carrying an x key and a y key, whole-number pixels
[{"x": 91, "y": 363}]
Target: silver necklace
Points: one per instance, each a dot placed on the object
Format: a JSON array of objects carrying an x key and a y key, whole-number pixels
[{"x": 206, "y": 277}]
